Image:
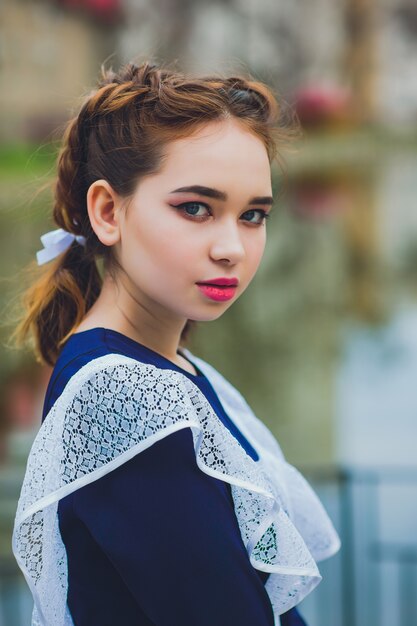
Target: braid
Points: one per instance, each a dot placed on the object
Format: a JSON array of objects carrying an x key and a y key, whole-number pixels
[
  {"x": 69, "y": 194},
  {"x": 119, "y": 135}
]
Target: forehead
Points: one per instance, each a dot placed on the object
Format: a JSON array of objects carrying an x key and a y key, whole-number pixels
[{"x": 220, "y": 146}]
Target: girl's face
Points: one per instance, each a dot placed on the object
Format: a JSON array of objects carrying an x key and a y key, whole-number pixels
[{"x": 173, "y": 237}]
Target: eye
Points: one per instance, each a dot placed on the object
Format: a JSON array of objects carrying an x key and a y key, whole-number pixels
[
  {"x": 263, "y": 215},
  {"x": 191, "y": 208}
]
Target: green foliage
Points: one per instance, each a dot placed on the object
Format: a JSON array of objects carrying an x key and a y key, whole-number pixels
[
  {"x": 25, "y": 160},
  {"x": 26, "y": 173}
]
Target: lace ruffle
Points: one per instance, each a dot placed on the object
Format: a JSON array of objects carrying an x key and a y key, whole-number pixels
[
  {"x": 115, "y": 407},
  {"x": 301, "y": 502}
]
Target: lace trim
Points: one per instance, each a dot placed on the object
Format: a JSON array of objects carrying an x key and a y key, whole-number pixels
[
  {"x": 301, "y": 502},
  {"x": 115, "y": 407}
]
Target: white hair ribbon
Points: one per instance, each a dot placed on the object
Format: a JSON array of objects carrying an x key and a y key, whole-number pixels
[{"x": 55, "y": 242}]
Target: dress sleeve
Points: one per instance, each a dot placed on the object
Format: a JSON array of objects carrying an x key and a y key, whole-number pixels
[{"x": 171, "y": 532}]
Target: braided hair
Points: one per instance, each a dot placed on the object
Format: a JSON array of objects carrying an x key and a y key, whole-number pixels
[{"x": 119, "y": 135}]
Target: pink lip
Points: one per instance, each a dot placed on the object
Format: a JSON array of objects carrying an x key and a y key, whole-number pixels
[
  {"x": 232, "y": 282},
  {"x": 215, "y": 292}
]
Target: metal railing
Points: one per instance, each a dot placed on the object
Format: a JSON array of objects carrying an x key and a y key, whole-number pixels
[{"x": 373, "y": 579}]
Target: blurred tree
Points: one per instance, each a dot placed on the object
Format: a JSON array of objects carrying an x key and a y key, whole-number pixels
[{"x": 359, "y": 64}]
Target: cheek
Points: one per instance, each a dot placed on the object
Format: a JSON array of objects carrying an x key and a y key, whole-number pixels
[
  {"x": 254, "y": 252},
  {"x": 158, "y": 249},
  {"x": 173, "y": 242}
]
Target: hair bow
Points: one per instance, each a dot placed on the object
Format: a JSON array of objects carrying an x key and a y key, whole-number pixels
[{"x": 55, "y": 242}]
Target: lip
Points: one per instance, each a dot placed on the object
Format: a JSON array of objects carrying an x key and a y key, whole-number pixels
[
  {"x": 217, "y": 292},
  {"x": 222, "y": 281}
]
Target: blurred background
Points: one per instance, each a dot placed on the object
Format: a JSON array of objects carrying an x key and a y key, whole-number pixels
[{"x": 323, "y": 343}]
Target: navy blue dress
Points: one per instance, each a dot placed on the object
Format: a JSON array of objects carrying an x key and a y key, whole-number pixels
[{"x": 133, "y": 537}]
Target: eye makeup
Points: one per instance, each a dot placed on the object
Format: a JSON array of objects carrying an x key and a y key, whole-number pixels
[
  {"x": 210, "y": 192},
  {"x": 182, "y": 207}
]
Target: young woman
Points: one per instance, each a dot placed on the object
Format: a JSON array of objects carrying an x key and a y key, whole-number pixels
[{"x": 153, "y": 495}]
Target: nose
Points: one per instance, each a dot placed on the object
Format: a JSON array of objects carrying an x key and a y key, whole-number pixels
[{"x": 227, "y": 243}]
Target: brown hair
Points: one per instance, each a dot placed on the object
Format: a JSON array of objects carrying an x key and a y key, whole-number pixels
[{"x": 119, "y": 135}]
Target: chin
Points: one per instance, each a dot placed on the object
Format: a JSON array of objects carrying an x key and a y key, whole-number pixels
[{"x": 210, "y": 316}]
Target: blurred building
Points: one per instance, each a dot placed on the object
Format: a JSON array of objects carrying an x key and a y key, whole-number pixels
[
  {"x": 49, "y": 55},
  {"x": 51, "y": 50}
]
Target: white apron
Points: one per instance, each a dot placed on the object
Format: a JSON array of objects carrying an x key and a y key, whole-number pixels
[{"x": 115, "y": 407}]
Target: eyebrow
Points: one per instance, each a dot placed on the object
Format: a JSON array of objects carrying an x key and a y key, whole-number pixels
[{"x": 220, "y": 195}]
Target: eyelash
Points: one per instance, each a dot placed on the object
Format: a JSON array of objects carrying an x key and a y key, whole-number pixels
[{"x": 183, "y": 205}]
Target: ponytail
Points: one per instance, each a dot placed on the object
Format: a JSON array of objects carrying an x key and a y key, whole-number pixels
[{"x": 118, "y": 135}]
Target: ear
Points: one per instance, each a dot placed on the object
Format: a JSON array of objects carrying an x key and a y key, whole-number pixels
[{"x": 103, "y": 205}]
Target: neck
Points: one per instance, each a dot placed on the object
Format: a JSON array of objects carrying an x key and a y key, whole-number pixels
[{"x": 130, "y": 313}]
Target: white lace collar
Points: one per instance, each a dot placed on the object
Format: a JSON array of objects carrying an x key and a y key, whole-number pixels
[{"x": 113, "y": 408}]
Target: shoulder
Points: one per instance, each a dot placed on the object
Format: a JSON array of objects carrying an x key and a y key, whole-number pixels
[
  {"x": 112, "y": 371},
  {"x": 111, "y": 409},
  {"x": 65, "y": 368},
  {"x": 117, "y": 381}
]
